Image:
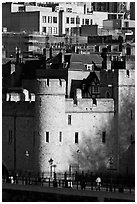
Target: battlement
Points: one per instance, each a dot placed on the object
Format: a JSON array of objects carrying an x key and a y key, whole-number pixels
[
  {"x": 50, "y": 86},
  {"x": 90, "y": 105}
]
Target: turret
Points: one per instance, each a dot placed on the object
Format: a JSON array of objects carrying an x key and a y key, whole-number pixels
[{"x": 49, "y": 123}]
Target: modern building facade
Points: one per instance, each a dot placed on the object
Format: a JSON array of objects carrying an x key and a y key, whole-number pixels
[{"x": 44, "y": 19}]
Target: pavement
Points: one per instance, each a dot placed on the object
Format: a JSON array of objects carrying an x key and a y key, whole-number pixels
[{"x": 101, "y": 195}]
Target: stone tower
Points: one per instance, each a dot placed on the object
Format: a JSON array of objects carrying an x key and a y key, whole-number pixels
[{"x": 49, "y": 123}]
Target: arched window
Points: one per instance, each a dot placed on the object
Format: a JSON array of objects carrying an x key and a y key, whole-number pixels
[{"x": 107, "y": 94}]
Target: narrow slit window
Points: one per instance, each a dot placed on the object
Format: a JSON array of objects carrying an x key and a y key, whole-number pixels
[
  {"x": 131, "y": 114},
  {"x": 47, "y": 137},
  {"x": 10, "y": 137},
  {"x": 47, "y": 82},
  {"x": 69, "y": 119},
  {"x": 104, "y": 137},
  {"x": 60, "y": 136},
  {"x": 76, "y": 137}
]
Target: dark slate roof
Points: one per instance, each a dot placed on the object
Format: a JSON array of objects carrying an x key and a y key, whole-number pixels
[{"x": 86, "y": 58}]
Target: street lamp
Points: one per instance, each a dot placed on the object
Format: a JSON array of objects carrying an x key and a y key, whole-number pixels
[
  {"x": 78, "y": 151},
  {"x": 50, "y": 163}
]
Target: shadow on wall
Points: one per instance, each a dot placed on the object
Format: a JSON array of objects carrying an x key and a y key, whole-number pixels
[{"x": 94, "y": 153}]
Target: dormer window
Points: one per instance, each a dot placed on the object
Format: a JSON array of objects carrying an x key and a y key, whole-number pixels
[{"x": 89, "y": 67}]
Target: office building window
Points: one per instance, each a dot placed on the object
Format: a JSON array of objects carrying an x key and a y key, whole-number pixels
[
  {"x": 54, "y": 30},
  {"x": 67, "y": 19},
  {"x": 83, "y": 21},
  {"x": 54, "y": 19},
  {"x": 69, "y": 119},
  {"x": 69, "y": 10},
  {"x": 76, "y": 137},
  {"x": 49, "y": 19},
  {"x": 104, "y": 137},
  {"x": 47, "y": 137},
  {"x": 60, "y": 136},
  {"x": 49, "y": 30},
  {"x": 87, "y": 21},
  {"x": 77, "y": 20},
  {"x": 44, "y": 19},
  {"x": 44, "y": 29},
  {"x": 72, "y": 21},
  {"x": 66, "y": 30},
  {"x": 10, "y": 137}
]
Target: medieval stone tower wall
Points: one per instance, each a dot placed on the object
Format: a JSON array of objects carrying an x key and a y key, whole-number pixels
[{"x": 49, "y": 122}]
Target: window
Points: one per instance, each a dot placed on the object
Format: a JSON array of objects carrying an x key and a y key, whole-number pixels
[
  {"x": 69, "y": 10},
  {"x": 83, "y": 21},
  {"x": 60, "y": 136},
  {"x": 54, "y": 19},
  {"x": 77, "y": 20},
  {"x": 47, "y": 137},
  {"x": 50, "y": 30},
  {"x": 44, "y": 29},
  {"x": 72, "y": 20},
  {"x": 47, "y": 82},
  {"x": 87, "y": 21},
  {"x": 127, "y": 72},
  {"x": 44, "y": 19},
  {"x": 103, "y": 137},
  {"x": 91, "y": 22},
  {"x": 76, "y": 137},
  {"x": 49, "y": 19},
  {"x": 67, "y": 20},
  {"x": 54, "y": 30},
  {"x": 66, "y": 30},
  {"x": 10, "y": 136},
  {"x": 69, "y": 119}
]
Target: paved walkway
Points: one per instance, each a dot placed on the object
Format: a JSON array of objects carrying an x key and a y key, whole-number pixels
[{"x": 101, "y": 195}]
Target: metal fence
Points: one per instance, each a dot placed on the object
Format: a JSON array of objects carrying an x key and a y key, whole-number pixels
[{"x": 85, "y": 181}]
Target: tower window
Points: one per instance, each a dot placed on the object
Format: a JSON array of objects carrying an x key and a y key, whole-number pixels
[
  {"x": 69, "y": 119},
  {"x": 10, "y": 137},
  {"x": 47, "y": 137},
  {"x": 104, "y": 137},
  {"x": 47, "y": 82},
  {"x": 128, "y": 73},
  {"x": 60, "y": 136},
  {"x": 76, "y": 137}
]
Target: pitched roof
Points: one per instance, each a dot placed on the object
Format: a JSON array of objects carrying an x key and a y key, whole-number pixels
[
  {"x": 77, "y": 61},
  {"x": 86, "y": 58}
]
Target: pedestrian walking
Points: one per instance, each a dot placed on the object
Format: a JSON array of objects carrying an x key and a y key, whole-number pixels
[{"x": 98, "y": 183}]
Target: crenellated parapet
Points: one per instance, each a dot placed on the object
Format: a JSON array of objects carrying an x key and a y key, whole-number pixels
[
  {"x": 50, "y": 86},
  {"x": 89, "y": 105}
]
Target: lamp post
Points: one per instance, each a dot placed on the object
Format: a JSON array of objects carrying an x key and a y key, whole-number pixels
[
  {"x": 78, "y": 151},
  {"x": 50, "y": 163}
]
